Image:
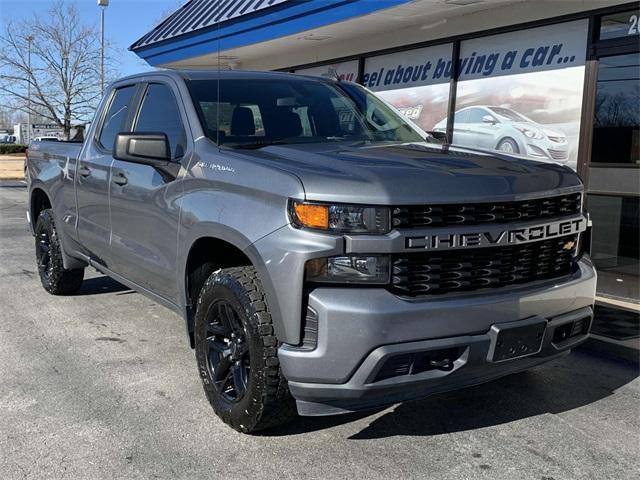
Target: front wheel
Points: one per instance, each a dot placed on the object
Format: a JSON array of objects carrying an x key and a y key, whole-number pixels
[
  {"x": 508, "y": 145},
  {"x": 237, "y": 352},
  {"x": 55, "y": 279}
]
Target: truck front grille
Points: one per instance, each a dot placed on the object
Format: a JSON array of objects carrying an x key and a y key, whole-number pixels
[
  {"x": 483, "y": 213},
  {"x": 432, "y": 273}
]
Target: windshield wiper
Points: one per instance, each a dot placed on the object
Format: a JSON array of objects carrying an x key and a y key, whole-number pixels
[{"x": 255, "y": 145}]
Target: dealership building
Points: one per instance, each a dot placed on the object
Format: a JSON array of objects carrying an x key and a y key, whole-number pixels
[{"x": 557, "y": 81}]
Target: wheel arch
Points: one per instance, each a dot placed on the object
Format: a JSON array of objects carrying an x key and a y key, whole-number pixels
[
  {"x": 504, "y": 137},
  {"x": 39, "y": 200},
  {"x": 209, "y": 252}
]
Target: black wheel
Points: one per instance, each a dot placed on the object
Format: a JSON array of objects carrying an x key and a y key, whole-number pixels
[
  {"x": 54, "y": 277},
  {"x": 508, "y": 145},
  {"x": 237, "y": 353}
]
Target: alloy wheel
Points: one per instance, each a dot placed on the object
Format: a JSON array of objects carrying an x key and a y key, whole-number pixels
[
  {"x": 43, "y": 254},
  {"x": 227, "y": 351}
]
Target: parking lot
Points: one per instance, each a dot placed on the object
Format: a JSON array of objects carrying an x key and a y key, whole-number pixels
[{"x": 104, "y": 385}]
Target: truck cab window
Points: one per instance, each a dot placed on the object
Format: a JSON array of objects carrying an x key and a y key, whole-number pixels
[
  {"x": 114, "y": 121},
  {"x": 159, "y": 114}
]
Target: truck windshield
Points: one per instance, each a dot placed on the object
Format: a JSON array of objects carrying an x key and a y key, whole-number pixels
[{"x": 252, "y": 113}]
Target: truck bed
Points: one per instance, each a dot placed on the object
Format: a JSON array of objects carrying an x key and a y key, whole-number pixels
[{"x": 54, "y": 150}]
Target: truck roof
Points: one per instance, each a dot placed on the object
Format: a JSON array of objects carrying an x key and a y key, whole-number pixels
[{"x": 205, "y": 74}]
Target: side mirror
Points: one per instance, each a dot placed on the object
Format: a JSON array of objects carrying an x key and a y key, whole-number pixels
[
  {"x": 438, "y": 135},
  {"x": 489, "y": 119},
  {"x": 146, "y": 148}
]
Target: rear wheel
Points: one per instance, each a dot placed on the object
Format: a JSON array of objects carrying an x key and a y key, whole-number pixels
[
  {"x": 55, "y": 279},
  {"x": 236, "y": 350}
]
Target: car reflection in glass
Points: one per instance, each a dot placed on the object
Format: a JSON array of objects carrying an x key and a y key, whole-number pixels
[{"x": 503, "y": 129}]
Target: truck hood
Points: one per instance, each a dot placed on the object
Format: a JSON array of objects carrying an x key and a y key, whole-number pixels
[{"x": 413, "y": 173}]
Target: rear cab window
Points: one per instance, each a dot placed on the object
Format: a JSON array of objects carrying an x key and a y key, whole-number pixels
[{"x": 116, "y": 116}]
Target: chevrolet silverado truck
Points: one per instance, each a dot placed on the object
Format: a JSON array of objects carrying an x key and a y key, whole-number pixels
[{"x": 326, "y": 255}]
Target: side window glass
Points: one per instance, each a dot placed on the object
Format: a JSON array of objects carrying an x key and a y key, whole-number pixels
[
  {"x": 476, "y": 115},
  {"x": 461, "y": 117},
  {"x": 159, "y": 114},
  {"x": 114, "y": 121}
]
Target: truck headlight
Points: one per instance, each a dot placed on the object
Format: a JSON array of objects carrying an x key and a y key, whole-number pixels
[
  {"x": 341, "y": 218},
  {"x": 367, "y": 269}
]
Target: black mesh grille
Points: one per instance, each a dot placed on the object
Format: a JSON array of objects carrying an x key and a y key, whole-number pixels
[
  {"x": 482, "y": 213},
  {"x": 465, "y": 270}
]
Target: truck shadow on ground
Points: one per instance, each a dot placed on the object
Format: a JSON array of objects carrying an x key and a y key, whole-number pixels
[
  {"x": 566, "y": 384},
  {"x": 102, "y": 284}
]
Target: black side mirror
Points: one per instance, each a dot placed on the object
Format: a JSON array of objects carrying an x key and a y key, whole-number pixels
[
  {"x": 146, "y": 148},
  {"x": 440, "y": 136}
]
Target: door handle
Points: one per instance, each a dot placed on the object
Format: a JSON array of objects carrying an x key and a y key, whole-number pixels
[
  {"x": 84, "y": 171},
  {"x": 120, "y": 179}
]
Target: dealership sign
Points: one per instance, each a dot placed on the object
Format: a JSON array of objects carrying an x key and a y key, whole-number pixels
[
  {"x": 421, "y": 66},
  {"x": 545, "y": 48}
]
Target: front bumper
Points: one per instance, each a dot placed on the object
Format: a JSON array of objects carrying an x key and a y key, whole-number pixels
[
  {"x": 359, "y": 330},
  {"x": 547, "y": 149}
]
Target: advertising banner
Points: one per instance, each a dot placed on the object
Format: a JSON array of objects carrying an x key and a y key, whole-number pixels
[
  {"x": 521, "y": 92},
  {"x": 347, "y": 71},
  {"x": 415, "y": 81}
]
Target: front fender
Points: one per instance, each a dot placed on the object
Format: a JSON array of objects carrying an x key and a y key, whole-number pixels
[{"x": 218, "y": 231}]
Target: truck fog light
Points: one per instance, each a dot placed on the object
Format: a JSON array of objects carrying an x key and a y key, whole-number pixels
[{"x": 367, "y": 269}]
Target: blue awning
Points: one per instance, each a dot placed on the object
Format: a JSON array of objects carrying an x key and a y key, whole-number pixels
[
  {"x": 202, "y": 27},
  {"x": 200, "y": 14}
]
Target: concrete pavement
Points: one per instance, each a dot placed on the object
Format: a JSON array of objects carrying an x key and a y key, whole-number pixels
[{"x": 104, "y": 385}]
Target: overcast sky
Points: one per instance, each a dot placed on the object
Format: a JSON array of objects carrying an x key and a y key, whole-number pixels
[{"x": 125, "y": 21}]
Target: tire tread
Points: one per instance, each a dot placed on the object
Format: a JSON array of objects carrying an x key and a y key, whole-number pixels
[{"x": 277, "y": 405}]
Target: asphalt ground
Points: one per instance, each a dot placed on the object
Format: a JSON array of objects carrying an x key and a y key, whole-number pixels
[{"x": 104, "y": 385}]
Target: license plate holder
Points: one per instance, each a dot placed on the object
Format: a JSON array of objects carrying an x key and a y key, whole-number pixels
[{"x": 513, "y": 340}]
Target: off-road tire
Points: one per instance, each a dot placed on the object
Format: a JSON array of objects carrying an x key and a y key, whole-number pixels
[
  {"x": 266, "y": 403},
  {"x": 55, "y": 279}
]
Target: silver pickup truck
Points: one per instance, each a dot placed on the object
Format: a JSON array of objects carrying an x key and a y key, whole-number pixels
[{"x": 326, "y": 255}]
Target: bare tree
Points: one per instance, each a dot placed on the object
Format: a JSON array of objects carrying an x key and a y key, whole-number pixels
[
  {"x": 6, "y": 118},
  {"x": 64, "y": 71}
]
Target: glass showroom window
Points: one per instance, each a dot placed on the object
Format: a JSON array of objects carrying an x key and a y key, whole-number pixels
[
  {"x": 616, "y": 130},
  {"x": 521, "y": 92},
  {"x": 416, "y": 82},
  {"x": 616, "y": 244}
]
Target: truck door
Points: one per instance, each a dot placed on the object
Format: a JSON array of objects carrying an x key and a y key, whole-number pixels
[
  {"x": 145, "y": 202},
  {"x": 92, "y": 178}
]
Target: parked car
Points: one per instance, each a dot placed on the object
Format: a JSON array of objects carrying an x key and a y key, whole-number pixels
[
  {"x": 5, "y": 138},
  {"x": 503, "y": 129},
  {"x": 325, "y": 255},
  {"x": 46, "y": 139}
]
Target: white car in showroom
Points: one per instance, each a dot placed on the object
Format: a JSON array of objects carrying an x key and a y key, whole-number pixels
[{"x": 503, "y": 129}]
